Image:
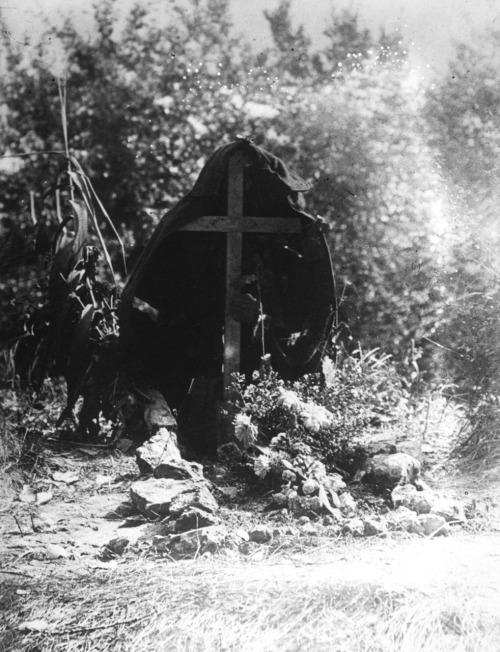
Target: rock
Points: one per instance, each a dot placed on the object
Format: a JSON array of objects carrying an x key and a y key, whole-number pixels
[
  {"x": 303, "y": 520},
  {"x": 197, "y": 542},
  {"x": 404, "y": 519},
  {"x": 310, "y": 487},
  {"x": 434, "y": 525},
  {"x": 379, "y": 443},
  {"x": 160, "y": 542},
  {"x": 198, "y": 495},
  {"x": 309, "y": 529},
  {"x": 387, "y": 471},
  {"x": 194, "y": 518},
  {"x": 347, "y": 503},
  {"x": 407, "y": 495},
  {"x": 229, "y": 493},
  {"x": 355, "y": 527},
  {"x": 160, "y": 497},
  {"x": 115, "y": 548},
  {"x": 213, "y": 539},
  {"x": 55, "y": 551},
  {"x": 157, "y": 415},
  {"x": 179, "y": 470},
  {"x": 162, "y": 447},
  {"x": 124, "y": 445},
  {"x": 412, "y": 447},
  {"x": 373, "y": 528},
  {"x": 44, "y": 497},
  {"x": 186, "y": 544},
  {"x": 260, "y": 534},
  {"x": 242, "y": 535},
  {"x": 450, "y": 509},
  {"x": 280, "y": 499},
  {"x": 304, "y": 504}
]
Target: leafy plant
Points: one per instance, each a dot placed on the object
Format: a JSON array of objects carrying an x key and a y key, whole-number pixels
[{"x": 324, "y": 415}]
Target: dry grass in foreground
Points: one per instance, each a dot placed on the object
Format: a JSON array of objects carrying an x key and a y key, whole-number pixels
[{"x": 213, "y": 605}]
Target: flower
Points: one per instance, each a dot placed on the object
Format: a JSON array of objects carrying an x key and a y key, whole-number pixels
[{"x": 245, "y": 431}]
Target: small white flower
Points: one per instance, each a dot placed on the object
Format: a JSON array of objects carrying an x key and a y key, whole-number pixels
[
  {"x": 262, "y": 466},
  {"x": 245, "y": 431}
]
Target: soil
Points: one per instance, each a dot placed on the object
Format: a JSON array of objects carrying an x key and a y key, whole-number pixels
[{"x": 70, "y": 530}]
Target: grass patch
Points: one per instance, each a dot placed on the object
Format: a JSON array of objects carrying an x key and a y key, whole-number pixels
[{"x": 208, "y": 606}]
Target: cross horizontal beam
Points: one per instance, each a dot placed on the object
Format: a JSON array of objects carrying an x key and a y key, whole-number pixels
[{"x": 244, "y": 224}]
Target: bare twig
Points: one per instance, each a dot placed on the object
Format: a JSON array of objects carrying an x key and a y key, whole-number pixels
[
  {"x": 117, "y": 623},
  {"x": 18, "y": 524}
]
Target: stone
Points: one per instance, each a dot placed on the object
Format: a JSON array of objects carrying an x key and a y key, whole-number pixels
[
  {"x": 194, "y": 518},
  {"x": 280, "y": 499},
  {"x": 179, "y": 470},
  {"x": 450, "y": 509},
  {"x": 355, "y": 527},
  {"x": 406, "y": 520},
  {"x": 198, "y": 495},
  {"x": 387, "y": 471},
  {"x": 260, "y": 534},
  {"x": 304, "y": 504},
  {"x": 408, "y": 496},
  {"x": 157, "y": 415},
  {"x": 115, "y": 548},
  {"x": 229, "y": 493},
  {"x": 160, "y": 543},
  {"x": 412, "y": 447},
  {"x": 213, "y": 539},
  {"x": 347, "y": 503},
  {"x": 309, "y": 529},
  {"x": 162, "y": 447},
  {"x": 379, "y": 443},
  {"x": 124, "y": 445},
  {"x": 373, "y": 528},
  {"x": 242, "y": 534},
  {"x": 159, "y": 497},
  {"x": 434, "y": 525},
  {"x": 197, "y": 542}
]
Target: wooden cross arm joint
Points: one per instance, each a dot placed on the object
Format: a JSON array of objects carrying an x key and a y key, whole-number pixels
[{"x": 244, "y": 224}]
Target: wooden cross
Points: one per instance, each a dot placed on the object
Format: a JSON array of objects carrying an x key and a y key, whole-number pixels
[{"x": 234, "y": 224}]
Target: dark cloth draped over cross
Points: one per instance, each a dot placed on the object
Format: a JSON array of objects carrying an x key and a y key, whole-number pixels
[{"x": 235, "y": 271}]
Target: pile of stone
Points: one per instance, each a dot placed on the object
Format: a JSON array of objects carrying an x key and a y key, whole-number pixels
[{"x": 182, "y": 516}]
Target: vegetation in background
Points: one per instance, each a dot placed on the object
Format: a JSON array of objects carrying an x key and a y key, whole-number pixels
[{"x": 403, "y": 177}]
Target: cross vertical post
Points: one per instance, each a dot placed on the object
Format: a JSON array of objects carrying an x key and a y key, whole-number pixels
[{"x": 234, "y": 249}]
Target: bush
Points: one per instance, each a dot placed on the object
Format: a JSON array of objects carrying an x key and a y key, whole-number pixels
[{"x": 326, "y": 416}]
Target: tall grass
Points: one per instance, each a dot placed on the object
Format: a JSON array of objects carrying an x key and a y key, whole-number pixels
[{"x": 211, "y": 606}]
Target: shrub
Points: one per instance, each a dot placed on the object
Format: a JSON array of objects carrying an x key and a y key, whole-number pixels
[{"x": 326, "y": 415}]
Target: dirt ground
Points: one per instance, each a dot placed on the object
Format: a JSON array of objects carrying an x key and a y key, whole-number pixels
[{"x": 65, "y": 536}]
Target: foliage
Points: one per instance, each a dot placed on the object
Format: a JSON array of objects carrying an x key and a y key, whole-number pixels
[
  {"x": 326, "y": 417},
  {"x": 463, "y": 110},
  {"x": 404, "y": 177}
]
